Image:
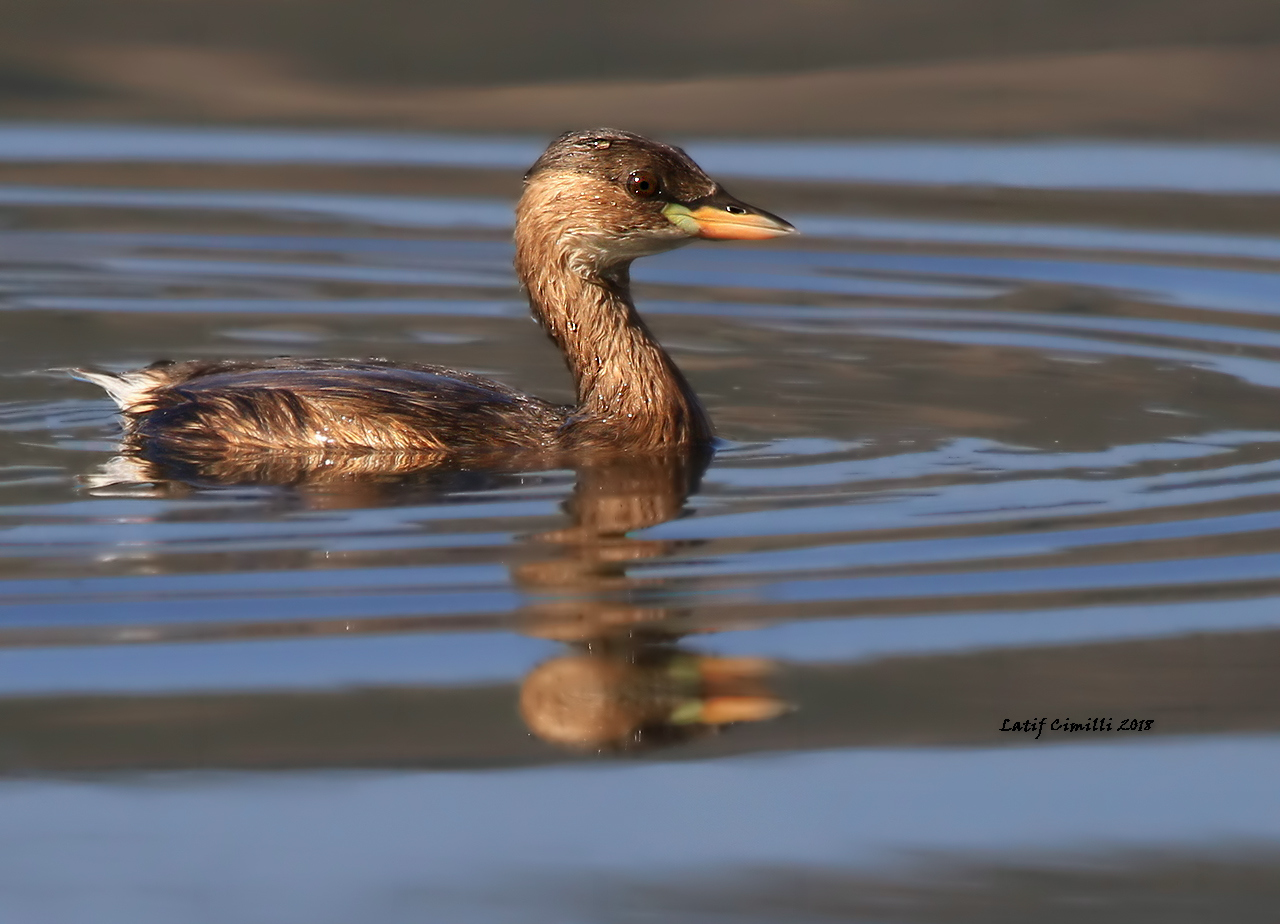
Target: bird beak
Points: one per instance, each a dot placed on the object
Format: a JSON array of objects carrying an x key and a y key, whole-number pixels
[{"x": 721, "y": 217}]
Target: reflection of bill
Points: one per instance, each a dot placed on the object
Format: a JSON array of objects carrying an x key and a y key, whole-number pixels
[
  {"x": 643, "y": 698},
  {"x": 625, "y": 685}
]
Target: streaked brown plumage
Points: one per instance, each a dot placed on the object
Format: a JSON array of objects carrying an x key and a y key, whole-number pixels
[{"x": 593, "y": 202}]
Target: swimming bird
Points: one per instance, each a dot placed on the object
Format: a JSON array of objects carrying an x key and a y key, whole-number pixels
[{"x": 592, "y": 203}]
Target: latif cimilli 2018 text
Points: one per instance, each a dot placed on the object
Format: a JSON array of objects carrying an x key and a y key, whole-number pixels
[{"x": 1093, "y": 724}]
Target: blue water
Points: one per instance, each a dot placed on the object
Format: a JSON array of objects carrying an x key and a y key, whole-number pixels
[{"x": 971, "y": 470}]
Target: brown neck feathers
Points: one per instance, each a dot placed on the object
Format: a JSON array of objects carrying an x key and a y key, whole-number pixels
[{"x": 630, "y": 393}]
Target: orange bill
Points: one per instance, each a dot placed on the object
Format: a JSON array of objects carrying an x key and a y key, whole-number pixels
[{"x": 723, "y": 218}]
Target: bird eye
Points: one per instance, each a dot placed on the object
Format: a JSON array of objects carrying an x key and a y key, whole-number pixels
[{"x": 642, "y": 184}]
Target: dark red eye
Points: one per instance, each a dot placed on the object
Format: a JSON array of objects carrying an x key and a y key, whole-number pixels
[{"x": 642, "y": 184}]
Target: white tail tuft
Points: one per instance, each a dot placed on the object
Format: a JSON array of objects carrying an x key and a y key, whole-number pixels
[{"x": 125, "y": 388}]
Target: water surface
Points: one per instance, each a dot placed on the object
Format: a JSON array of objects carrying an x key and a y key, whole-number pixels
[{"x": 975, "y": 469}]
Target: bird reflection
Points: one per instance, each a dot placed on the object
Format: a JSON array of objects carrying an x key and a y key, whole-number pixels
[
  {"x": 643, "y": 696},
  {"x": 582, "y": 591},
  {"x": 625, "y": 683}
]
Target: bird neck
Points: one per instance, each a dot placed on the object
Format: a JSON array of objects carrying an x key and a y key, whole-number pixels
[{"x": 630, "y": 393}]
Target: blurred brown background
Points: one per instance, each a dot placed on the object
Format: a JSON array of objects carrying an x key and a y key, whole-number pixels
[{"x": 982, "y": 68}]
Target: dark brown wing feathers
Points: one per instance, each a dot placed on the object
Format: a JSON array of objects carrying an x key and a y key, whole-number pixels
[{"x": 334, "y": 405}]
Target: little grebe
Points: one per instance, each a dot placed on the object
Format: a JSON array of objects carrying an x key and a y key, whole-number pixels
[{"x": 593, "y": 202}]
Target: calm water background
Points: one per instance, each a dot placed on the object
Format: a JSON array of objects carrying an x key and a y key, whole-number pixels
[{"x": 1001, "y": 440}]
